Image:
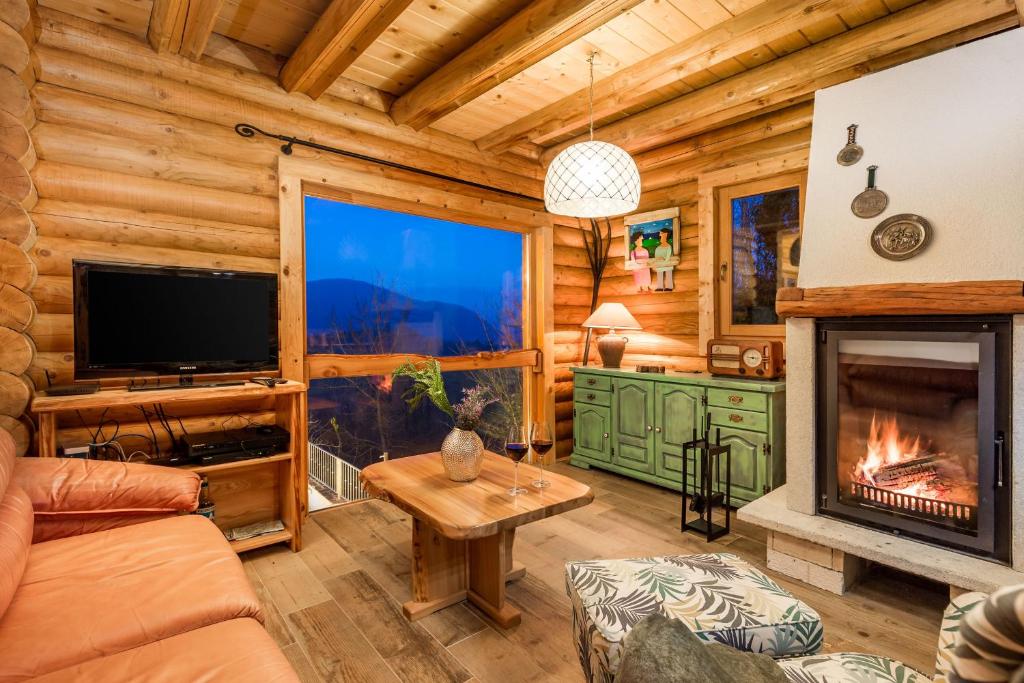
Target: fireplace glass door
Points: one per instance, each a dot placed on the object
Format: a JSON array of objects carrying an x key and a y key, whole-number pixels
[{"x": 914, "y": 437}]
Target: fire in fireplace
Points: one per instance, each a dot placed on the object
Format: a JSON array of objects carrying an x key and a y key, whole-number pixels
[
  {"x": 914, "y": 414},
  {"x": 898, "y": 472}
]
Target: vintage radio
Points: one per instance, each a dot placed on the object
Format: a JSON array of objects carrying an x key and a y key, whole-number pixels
[{"x": 746, "y": 358}]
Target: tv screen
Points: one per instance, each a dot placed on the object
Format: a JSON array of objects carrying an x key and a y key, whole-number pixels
[{"x": 166, "y": 321}]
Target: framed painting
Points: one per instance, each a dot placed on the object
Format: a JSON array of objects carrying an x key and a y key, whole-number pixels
[{"x": 652, "y": 249}]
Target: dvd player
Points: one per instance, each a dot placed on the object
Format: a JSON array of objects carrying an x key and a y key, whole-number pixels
[{"x": 229, "y": 445}]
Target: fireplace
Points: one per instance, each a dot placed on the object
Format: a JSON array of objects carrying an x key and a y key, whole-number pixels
[{"x": 913, "y": 418}]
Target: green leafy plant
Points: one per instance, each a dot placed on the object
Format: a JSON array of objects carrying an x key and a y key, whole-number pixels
[{"x": 426, "y": 382}]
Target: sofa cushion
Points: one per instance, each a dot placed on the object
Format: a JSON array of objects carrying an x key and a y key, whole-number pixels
[
  {"x": 72, "y": 496},
  {"x": 100, "y": 594},
  {"x": 847, "y": 667},
  {"x": 719, "y": 597},
  {"x": 236, "y": 650},
  {"x": 949, "y": 632},
  {"x": 15, "y": 539}
]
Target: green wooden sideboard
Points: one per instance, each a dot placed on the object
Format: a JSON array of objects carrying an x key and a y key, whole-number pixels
[{"x": 635, "y": 424}]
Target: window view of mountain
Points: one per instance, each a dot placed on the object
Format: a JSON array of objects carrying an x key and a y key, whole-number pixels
[{"x": 381, "y": 282}]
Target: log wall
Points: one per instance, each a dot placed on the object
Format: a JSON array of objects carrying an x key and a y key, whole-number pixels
[
  {"x": 138, "y": 161},
  {"x": 670, "y": 320},
  {"x": 18, "y": 195}
]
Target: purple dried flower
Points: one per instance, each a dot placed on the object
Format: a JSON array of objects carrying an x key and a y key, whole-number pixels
[{"x": 469, "y": 410}]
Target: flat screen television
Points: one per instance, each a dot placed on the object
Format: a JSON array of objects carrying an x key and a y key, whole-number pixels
[{"x": 157, "y": 320}]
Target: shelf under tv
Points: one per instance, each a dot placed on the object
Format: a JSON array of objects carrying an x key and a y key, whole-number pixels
[{"x": 245, "y": 491}]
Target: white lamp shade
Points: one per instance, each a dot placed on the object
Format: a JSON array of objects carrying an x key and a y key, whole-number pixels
[
  {"x": 612, "y": 316},
  {"x": 592, "y": 180}
]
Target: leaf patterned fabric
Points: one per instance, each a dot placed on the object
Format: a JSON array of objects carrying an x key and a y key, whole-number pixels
[
  {"x": 846, "y": 667},
  {"x": 950, "y": 630},
  {"x": 719, "y": 597}
]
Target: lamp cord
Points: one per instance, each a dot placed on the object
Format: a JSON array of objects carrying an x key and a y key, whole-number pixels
[{"x": 590, "y": 59}]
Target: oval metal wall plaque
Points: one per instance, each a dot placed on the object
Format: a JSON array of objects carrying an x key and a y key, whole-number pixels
[
  {"x": 852, "y": 152},
  {"x": 900, "y": 237},
  {"x": 871, "y": 201}
]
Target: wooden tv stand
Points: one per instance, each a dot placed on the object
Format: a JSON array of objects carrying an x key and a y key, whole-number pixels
[{"x": 245, "y": 491}]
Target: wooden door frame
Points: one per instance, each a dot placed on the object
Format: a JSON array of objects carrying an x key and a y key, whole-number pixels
[
  {"x": 367, "y": 184},
  {"x": 708, "y": 187}
]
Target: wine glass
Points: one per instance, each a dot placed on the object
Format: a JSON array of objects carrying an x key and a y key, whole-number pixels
[
  {"x": 516, "y": 447},
  {"x": 541, "y": 440}
]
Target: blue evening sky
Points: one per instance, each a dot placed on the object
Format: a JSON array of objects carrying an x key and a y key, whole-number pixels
[{"x": 424, "y": 258}]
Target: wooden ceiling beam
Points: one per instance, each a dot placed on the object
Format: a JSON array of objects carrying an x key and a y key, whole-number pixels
[
  {"x": 794, "y": 75},
  {"x": 639, "y": 84},
  {"x": 537, "y": 31},
  {"x": 182, "y": 26},
  {"x": 340, "y": 36}
]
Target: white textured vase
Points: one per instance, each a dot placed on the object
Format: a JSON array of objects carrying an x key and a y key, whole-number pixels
[{"x": 462, "y": 454}]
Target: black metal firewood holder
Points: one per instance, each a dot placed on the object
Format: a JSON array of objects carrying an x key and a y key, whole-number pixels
[{"x": 708, "y": 490}]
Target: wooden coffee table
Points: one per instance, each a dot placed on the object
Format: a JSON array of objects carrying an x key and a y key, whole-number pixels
[{"x": 462, "y": 532}]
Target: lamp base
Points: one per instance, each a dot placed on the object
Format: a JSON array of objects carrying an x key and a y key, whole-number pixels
[{"x": 611, "y": 347}]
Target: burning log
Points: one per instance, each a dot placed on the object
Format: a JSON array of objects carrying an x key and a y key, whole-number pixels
[{"x": 906, "y": 473}]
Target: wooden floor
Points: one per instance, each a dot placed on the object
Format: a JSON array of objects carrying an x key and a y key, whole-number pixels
[{"x": 335, "y": 607}]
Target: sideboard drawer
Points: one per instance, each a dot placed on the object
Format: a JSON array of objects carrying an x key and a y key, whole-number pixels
[
  {"x": 594, "y": 396},
  {"x": 744, "y": 400},
  {"x": 585, "y": 381},
  {"x": 742, "y": 419}
]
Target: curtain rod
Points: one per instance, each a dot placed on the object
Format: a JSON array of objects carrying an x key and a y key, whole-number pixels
[{"x": 247, "y": 130}]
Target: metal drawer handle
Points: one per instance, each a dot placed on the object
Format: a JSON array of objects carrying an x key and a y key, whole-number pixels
[
  {"x": 735, "y": 418},
  {"x": 649, "y": 427},
  {"x": 735, "y": 399},
  {"x": 658, "y": 430},
  {"x": 591, "y": 381},
  {"x": 591, "y": 397},
  {"x": 606, "y": 435}
]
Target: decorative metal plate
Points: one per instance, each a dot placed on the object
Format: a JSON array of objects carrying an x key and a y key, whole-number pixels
[
  {"x": 902, "y": 236},
  {"x": 869, "y": 203}
]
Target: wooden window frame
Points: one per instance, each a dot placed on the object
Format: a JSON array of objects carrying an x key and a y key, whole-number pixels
[
  {"x": 372, "y": 185},
  {"x": 723, "y": 226},
  {"x": 710, "y": 187}
]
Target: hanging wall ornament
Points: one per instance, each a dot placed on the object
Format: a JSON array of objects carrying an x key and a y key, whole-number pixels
[
  {"x": 902, "y": 236},
  {"x": 852, "y": 152},
  {"x": 871, "y": 201}
]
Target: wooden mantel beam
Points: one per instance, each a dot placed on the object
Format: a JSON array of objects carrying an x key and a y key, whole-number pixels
[
  {"x": 795, "y": 74},
  {"x": 540, "y": 29},
  {"x": 182, "y": 26},
  {"x": 638, "y": 84},
  {"x": 340, "y": 36}
]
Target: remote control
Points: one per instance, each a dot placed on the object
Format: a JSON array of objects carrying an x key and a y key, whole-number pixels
[{"x": 269, "y": 381}]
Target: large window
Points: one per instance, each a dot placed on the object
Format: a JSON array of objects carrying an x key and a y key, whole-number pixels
[
  {"x": 759, "y": 251},
  {"x": 382, "y": 284}
]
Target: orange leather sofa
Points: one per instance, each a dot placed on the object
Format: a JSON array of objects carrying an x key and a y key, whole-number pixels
[{"x": 103, "y": 579}]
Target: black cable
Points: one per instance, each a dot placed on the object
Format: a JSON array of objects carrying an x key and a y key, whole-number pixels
[
  {"x": 145, "y": 414},
  {"x": 158, "y": 411}
]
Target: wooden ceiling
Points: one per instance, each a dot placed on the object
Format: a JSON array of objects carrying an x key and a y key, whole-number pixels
[{"x": 512, "y": 75}]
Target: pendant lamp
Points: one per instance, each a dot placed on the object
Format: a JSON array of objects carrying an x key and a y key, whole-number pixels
[{"x": 592, "y": 179}]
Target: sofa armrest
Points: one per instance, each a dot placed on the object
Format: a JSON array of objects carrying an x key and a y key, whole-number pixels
[
  {"x": 72, "y": 496},
  {"x": 950, "y": 630}
]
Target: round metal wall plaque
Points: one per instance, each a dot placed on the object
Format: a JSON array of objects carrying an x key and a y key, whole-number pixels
[
  {"x": 852, "y": 152},
  {"x": 871, "y": 201},
  {"x": 900, "y": 237}
]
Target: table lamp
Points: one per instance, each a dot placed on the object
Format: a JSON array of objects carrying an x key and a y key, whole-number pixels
[{"x": 612, "y": 317}]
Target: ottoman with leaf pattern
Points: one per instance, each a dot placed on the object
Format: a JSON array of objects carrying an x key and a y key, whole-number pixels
[{"x": 718, "y": 596}]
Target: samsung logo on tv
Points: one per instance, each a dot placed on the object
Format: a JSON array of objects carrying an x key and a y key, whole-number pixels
[{"x": 186, "y": 367}]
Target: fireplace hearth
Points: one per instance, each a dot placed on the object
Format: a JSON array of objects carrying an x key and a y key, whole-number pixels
[{"x": 913, "y": 414}]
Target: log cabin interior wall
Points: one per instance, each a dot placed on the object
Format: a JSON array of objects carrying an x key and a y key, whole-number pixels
[{"x": 131, "y": 155}]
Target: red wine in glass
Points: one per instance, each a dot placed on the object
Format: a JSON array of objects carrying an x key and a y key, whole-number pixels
[
  {"x": 541, "y": 440},
  {"x": 516, "y": 448}
]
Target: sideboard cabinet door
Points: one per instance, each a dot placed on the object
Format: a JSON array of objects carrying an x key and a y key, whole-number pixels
[
  {"x": 592, "y": 431},
  {"x": 677, "y": 413},
  {"x": 633, "y": 421},
  {"x": 748, "y": 463}
]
